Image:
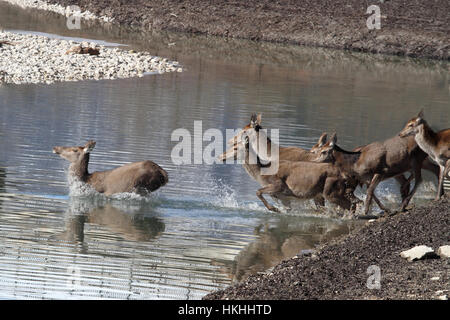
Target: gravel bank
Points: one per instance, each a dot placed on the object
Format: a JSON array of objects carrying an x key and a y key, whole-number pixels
[
  {"x": 64, "y": 10},
  {"x": 26, "y": 58},
  {"x": 414, "y": 28},
  {"x": 339, "y": 270}
]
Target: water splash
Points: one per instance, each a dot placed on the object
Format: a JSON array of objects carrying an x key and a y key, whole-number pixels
[
  {"x": 83, "y": 191},
  {"x": 78, "y": 188}
]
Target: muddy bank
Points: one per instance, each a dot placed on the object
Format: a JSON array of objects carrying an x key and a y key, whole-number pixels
[
  {"x": 408, "y": 27},
  {"x": 339, "y": 270}
]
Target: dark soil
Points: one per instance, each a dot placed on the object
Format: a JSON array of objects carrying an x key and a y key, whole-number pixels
[
  {"x": 415, "y": 28},
  {"x": 339, "y": 269}
]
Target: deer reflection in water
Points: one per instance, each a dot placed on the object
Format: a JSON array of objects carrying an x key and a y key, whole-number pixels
[
  {"x": 131, "y": 224},
  {"x": 282, "y": 241}
]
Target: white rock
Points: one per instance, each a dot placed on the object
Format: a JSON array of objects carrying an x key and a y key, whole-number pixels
[
  {"x": 444, "y": 251},
  {"x": 417, "y": 253},
  {"x": 434, "y": 279}
]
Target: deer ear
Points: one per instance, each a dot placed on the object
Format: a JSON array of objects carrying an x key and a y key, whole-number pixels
[
  {"x": 89, "y": 146},
  {"x": 322, "y": 139},
  {"x": 333, "y": 139},
  {"x": 258, "y": 119},
  {"x": 420, "y": 115},
  {"x": 255, "y": 120}
]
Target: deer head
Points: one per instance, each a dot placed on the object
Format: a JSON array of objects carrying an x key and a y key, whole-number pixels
[
  {"x": 325, "y": 151},
  {"x": 75, "y": 154},
  {"x": 322, "y": 140},
  {"x": 412, "y": 126}
]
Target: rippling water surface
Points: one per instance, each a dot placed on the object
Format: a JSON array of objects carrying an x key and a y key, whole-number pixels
[{"x": 206, "y": 228}]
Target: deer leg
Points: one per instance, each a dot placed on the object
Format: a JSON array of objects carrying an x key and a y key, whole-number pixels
[
  {"x": 379, "y": 204},
  {"x": 285, "y": 202},
  {"x": 319, "y": 201},
  {"x": 404, "y": 185},
  {"x": 430, "y": 166},
  {"x": 441, "y": 181},
  {"x": 334, "y": 191},
  {"x": 417, "y": 180},
  {"x": 270, "y": 189},
  {"x": 447, "y": 169},
  {"x": 446, "y": 174},
  {"x": 376, "y": 179}
]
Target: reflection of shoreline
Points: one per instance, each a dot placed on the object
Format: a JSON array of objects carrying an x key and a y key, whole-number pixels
[
  {"x": 280, "y": 242},
  {"x": 2, "y": 182},
  {"x": 128, "y": 223}
]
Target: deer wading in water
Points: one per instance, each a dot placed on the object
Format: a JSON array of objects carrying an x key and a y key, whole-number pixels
[
  {"x": 435, "y": 144},
  {"x": 379, "y": 161},
  {"x": 284, "y": 153},
  {"x": 295, "y": 179},
  {"x": 139, "y": 177}
]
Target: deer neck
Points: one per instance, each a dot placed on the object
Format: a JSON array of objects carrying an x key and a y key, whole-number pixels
[
  {"x": 254, "y": 169},
  {"x": 426, "y": 139},
  {"x": 79, "y": 169},
  {"x": 345, "y": 159}
]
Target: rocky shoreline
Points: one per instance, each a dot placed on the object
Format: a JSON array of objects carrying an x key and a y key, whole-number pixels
[
  {"x": 28, "y": 58},
  {"x": 345, "y": 268},
  {"x": 407, "y": 27},
  {"x": 64, "y": 10}
]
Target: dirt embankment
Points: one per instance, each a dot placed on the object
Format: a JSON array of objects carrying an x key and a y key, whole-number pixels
[
  {"x": 340, "y": 270},
  {"x": 415, "y": 28}
]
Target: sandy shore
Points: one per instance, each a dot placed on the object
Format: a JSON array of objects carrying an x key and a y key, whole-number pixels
[
  {"x": 28, "y": 58},
  {"x": 342, "y": 269},
  {"x": 414, "y": 28}
]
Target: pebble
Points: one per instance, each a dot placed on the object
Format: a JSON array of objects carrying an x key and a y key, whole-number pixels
[
  {"x": 38, "y": 59},
  {"x": 444, "y": 251},
  {"x": 434, "y": 278}
]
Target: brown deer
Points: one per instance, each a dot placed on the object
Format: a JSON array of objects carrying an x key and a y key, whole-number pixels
[
  {"x": 285, "y": 153},
  {"x": 401, "y": 179},
  {"x": 322, "y": 154},
  {"x": 298, "y": 179},
  {"x": 435, "y": 144},
  {"x": 139, "y": 177},
  {"x": 383, "y": 160}
]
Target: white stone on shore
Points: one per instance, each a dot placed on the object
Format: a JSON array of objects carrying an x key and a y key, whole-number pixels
[
  {"x": 66, "y": 11},
  {"x": 418, "y": 253},
  {"x": 444, "y": 251},
  {"x": 38, "y": 59}
]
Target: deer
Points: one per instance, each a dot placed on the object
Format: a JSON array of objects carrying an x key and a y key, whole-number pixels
[
  {"x": 297, "y": 179},
  {"x": 137, "y": 177},
  {"x": 379, "y": 161},
  {"x": 435, "y": 144},
  {"x": 285, "y": 153},
  {"x": 401, "y": 179}
]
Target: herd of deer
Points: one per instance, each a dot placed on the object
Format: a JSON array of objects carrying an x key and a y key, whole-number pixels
[{"x": 325, "y": 172}]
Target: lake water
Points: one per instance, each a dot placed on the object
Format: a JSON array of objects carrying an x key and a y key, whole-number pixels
[{"x": 206, "y": 228}]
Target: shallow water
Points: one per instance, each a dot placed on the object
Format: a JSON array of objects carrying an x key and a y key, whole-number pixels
[{"x": 206, "y": 228}]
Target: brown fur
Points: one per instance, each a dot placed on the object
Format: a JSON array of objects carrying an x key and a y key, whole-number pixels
[
  {"x": 382, "y": 160},
  {"x": 299, "y": 179},
  {"x": 435, "y": 144},
  {"x": 139, "y": 177},
  {"x": 285, "y": 153}
]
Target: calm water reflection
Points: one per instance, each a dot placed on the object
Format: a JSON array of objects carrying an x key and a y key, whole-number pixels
[{"x": 205, "y": 228}]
